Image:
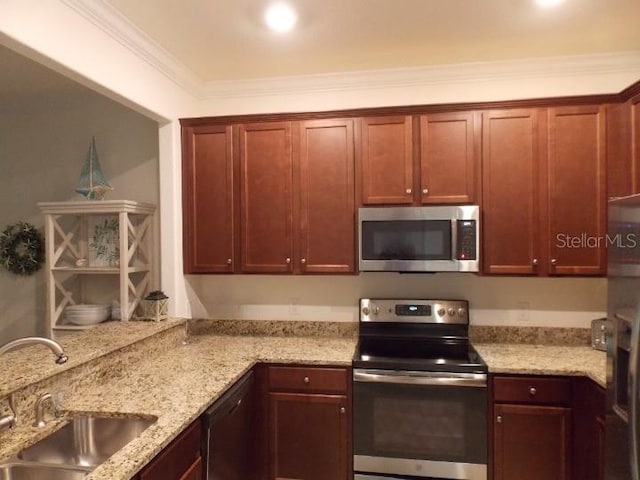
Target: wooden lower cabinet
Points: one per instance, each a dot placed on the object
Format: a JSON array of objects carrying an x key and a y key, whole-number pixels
[
  {"x": 588, "y": 430},
  {"x": 308, "y": 435},
  {"x": 549, "y": 428},
  {"x": 309, "y": 423},
  {"x": 181, "y": 460},
  {"x": 532, "y": 442}
]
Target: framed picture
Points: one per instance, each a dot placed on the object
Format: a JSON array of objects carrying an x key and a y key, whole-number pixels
[{"x": 104, "y": 241}]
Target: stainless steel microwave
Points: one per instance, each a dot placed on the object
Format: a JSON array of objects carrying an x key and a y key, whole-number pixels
[{"x": 419, "y": 239}]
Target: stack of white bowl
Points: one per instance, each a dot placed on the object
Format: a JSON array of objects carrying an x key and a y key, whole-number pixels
[{"x": 87, "y": 314}]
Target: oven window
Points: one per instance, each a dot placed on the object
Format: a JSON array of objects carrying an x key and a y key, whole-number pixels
[
  {"x": 406, "y": 240},
  {"x": 440, "y": 423},
  {"x": 441, "y": 432}
]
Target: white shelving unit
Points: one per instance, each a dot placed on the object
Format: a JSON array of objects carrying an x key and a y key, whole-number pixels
[{"x": 88, "y": 239}]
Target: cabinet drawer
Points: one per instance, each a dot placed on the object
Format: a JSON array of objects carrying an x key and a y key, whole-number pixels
[
  {"x": 308, "y": 379},
  {"x": 538, "y": 390}
]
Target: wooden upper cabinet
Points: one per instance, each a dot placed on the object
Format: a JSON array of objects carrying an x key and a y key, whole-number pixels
[
  {"x": 623, "y": 148},
  {"x": 511, "y": 241},
  {"x": 635, "y": 142},
  {"x": 385, "y": 150},
  {"x": 448, "y": 157},
  {"x": 208, "y": 199},
  {"x": 266, "y": 197},
  {"x": 620, "y": 165},
  {"x": 576, "y": 190},
  {"x": 327, "y": 199}
]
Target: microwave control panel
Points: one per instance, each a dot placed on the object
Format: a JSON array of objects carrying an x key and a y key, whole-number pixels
[{"x": 467, "y": 240}]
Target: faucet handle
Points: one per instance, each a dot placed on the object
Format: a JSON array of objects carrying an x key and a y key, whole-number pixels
[{"x": 8, "y": 421}]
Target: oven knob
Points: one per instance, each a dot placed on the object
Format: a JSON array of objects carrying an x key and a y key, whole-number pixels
[
  {"x": 462, "y": 312},
  {"x": 441, "y": 312},
  {"x": 365, "y": 310},
  {"x": 451, "y": 311},
  {"x": 376, "y": 310}
]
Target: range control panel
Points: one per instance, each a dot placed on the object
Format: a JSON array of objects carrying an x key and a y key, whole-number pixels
[{"x": 414, "y": 311}]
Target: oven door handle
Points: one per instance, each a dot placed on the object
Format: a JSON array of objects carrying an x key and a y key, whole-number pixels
[{"x": 478, "y": 380}]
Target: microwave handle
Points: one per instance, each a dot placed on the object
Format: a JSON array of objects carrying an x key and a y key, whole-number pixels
[
  {"x": 454, "y": 238},
  {"x": 634, "y": 397}
]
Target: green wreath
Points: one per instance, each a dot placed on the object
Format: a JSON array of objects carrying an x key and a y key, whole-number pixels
[{"x": 21, "y": 249}]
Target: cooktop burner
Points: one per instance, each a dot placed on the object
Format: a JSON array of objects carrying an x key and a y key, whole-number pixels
[{"x": 420, "y": 335}]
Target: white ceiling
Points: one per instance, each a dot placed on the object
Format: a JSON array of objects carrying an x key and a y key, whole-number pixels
[{"x": 226, "y": 39}]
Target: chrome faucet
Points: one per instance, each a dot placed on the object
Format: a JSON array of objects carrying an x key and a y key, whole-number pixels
[
  {"x": 54, "y": 346},
  {"x": 8, "y": 421},
  {"x": 39, "y": 409}
]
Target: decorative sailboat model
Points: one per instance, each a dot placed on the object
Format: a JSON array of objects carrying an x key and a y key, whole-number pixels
[{"x": 92, "y": 183}]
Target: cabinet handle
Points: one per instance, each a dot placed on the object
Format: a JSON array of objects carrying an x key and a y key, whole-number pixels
[
  {"x": 306, "y": 380},
  {"x": 499, "y": 419},
  {"x": 534, "y": 262},
  {"x": 554, "y": 261},
  {"x": 408, "y": 191},
  {"x": 303, "y": 261},
  {"x": 229, "y": 261},
  {"x": 425, "y": 191},
  {"x": 343, "y": 410},
  {"x": 533, "y": 391},
  {"x": 287, "y": 260}
]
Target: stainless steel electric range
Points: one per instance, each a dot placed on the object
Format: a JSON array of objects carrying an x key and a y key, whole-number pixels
[{"x": 420, "y": 393}]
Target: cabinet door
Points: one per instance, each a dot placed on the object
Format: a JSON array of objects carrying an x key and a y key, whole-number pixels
[
  {"x": 448, "y": 158},
  {"x": 327, "y": 201},
  {"x": 621, "y": 169},
  {"x": 531, "y": 442},
  {"x": 194, "y": 472},
  {"x": 576, "y": 190},
  {"x": 180, "y": 460},
  {"x": 386, "y": 160},
  {"x": 511, "y": 243},
  {"x": 588, "y": 430},
  {"x": 266, "y": 183},
  {"x": 208, "y": 199},
  {"x": 308, "y": 437},
  {"x": 635, "y": 142}
]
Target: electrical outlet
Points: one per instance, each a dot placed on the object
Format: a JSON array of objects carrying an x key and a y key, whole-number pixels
[
  {"x": 522, "y": 311},
  {"x": 294, "y": 305}
]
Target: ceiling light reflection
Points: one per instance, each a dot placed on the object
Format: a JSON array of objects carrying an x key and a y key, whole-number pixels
[
  {"x": 280, "y": 17},
  {"x": 548, "y": 3}
]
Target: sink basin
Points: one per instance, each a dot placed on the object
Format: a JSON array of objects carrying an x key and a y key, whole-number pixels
[
  {"x": 19, "y": 471},
  {"x": 86, "y": 441}
]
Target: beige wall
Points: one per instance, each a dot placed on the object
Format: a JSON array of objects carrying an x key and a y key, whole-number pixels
[
  {"x": 570, "y": 302},
  {"x": 43, "y": 142}
]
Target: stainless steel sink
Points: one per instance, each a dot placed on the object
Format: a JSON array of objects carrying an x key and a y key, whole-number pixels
[
  {"x": 22, "y": 471},
  {"x": 86, "y": 441}
]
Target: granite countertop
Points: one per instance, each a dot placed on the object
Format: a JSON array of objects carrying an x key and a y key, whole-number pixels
[
  {"x": 35, "y": 363},
  {"x": 545, "y": 360},
  {"x": 177, "y": 383}
]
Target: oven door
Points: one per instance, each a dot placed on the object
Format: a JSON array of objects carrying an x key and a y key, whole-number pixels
[{"x": 419, "y": 424}]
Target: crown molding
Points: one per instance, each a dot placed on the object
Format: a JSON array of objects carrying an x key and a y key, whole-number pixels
[
  {"x": 465, "y": 73},
  {"x": 104, "y": 16}
]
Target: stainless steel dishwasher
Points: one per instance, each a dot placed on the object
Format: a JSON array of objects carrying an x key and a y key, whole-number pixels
[{"x": 228, "y": 436}]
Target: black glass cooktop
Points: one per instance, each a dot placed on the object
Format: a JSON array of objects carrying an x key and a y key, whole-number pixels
[{"x": 443, "y": 354}]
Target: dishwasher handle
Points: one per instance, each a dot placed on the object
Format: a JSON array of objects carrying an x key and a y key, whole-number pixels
[{"x": 229, "y": 402}]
